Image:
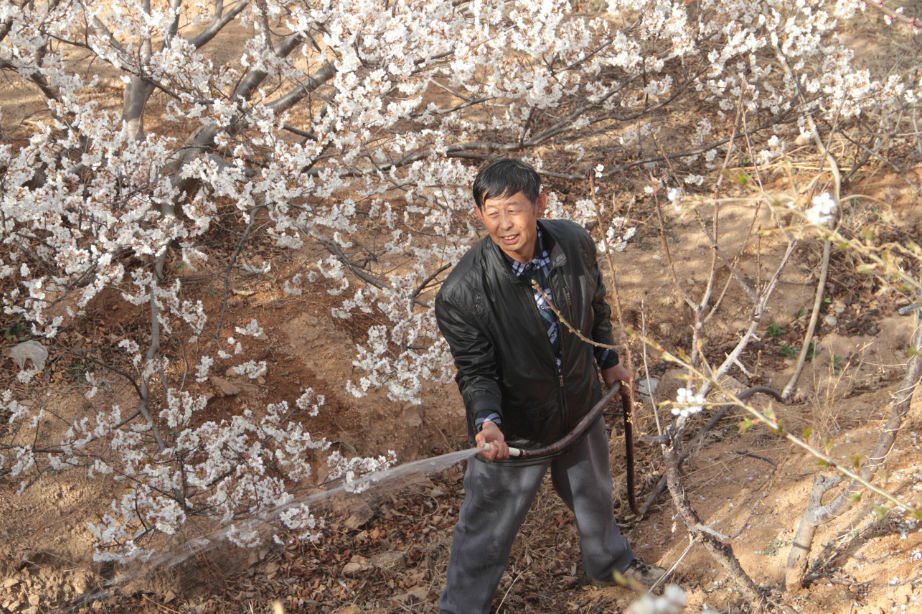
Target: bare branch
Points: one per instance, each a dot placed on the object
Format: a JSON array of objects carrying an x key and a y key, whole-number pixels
[
  {"x": 218, "y": 22},
  {"x": 323, "y": 74},
  {"x": 334, "y": 249}
]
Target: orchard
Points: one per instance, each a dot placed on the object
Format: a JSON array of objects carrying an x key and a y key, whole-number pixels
[{"x": 355, "y": 127}]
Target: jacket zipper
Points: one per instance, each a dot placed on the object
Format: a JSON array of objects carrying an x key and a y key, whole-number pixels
[{"x": 561, "y": 391}]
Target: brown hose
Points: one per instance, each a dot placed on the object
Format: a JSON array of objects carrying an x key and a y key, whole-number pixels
[
  {"x": 577, "y": 431},
  {"x": 628, "y": 409}
]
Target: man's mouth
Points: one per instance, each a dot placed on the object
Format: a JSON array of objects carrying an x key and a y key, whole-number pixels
[{"x": 510, "y": 238}]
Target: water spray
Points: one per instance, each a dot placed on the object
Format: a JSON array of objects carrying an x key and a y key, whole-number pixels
[{"x": 263, "y": 520}]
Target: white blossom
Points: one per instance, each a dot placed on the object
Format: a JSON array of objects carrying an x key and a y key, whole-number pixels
[
  {"x": 671, "y": 602},
  {"x": 688, "y": 403},
  {"x": 822, "y": 210},
  {"x": 251, "y": 369}
]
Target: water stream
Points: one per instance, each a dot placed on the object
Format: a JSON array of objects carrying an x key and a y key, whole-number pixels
[{"x": 371, "y": 486}]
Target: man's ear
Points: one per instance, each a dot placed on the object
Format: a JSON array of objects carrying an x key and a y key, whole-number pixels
[
  {"x": 540, "y": 205},
  {"x": 479, "y": 214}
]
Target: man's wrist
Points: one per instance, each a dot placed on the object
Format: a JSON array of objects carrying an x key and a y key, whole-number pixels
[
  {"x": 607, "y": 359},
  {"x": 486, "y": 417}
]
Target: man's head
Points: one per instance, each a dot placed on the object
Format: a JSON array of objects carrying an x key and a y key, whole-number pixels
[{"x": 508, "y": 200}]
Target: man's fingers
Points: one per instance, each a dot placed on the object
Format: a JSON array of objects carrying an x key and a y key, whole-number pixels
[{"x": 493, "y": 450}]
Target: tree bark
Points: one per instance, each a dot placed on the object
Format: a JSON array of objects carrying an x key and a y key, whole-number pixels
[{"x": 720, "y": 551}]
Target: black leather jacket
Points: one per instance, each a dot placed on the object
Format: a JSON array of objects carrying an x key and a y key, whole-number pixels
[{"x": 501, "y": 349}]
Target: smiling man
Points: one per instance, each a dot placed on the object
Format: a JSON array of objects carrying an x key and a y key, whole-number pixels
[{"x": 526, "y": 381}]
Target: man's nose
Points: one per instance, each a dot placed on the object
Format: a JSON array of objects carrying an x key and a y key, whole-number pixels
[{"x": 505, "y": 221}]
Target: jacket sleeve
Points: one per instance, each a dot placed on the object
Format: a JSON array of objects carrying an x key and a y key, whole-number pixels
[
  {"x": 601, "y": 313},
  {"x": 475, "y": 358}
]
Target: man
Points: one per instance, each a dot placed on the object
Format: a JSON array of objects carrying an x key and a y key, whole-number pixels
[{"x": 526, "y": 381}]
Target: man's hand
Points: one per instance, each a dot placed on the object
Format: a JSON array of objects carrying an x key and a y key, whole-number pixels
[
  {"x": 490, "y": 434},
  {"x": 618, "y": 374}
]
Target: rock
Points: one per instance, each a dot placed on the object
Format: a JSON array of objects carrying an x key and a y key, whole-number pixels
[
  {"x": 388, "y": 561},
  {"x": 34, "y": 599},
  {"x": 260, "y": 380},
  {"x": 81, "y": 582},
  {"x": 412, "y": 416},
  {"x": 10, "y": 583},
  {"x": 359, "y": 516},
  {"x": 646, "y": 388},
  {"x": 349, "y": 609},
  {"x": 830, "y": 320},
  {"x": 224, "y": 387},
  {"x": 417, "y": 594},
  {"x": 356, "y": 566},
  {"x": 729, "y": 386}
]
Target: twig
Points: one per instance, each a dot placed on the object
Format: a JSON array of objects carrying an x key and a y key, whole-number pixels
[
  {"x": 426, "y": 281},
  {"x": 827, "y": 247},
  {"x": 710, "y": 531},
  {"x": 643, "y": 319},
  {"x": 227, "y": 272},
  {"x": 611, "y": 265},
  {"x": 511, "y": 584},
  {"x": 768, "y": 418},
  {"x": 718, "y": 415},
  {"x": 762, "y": 458},
  {"x": 691, "y": 542},
  {"x": 675, "y": 277}
]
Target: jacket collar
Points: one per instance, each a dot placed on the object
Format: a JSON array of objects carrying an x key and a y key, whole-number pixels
[
  {"x": 551, "y": 244},
  {"x": 558, "y": 257}
]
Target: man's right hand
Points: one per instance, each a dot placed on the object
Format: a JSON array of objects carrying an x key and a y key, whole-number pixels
[{"x": 490, "y": 434}]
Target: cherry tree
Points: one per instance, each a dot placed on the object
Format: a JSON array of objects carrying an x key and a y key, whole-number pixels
[{"x": 355, "y": 125}]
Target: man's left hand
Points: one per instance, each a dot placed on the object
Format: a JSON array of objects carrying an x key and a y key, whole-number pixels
[{"x": 618, "y": 374}]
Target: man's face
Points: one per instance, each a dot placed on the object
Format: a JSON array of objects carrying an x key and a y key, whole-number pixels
[{"x": 512, "y": 223}]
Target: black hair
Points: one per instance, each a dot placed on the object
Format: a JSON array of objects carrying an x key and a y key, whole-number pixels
[{"x": 507, "y": 177}]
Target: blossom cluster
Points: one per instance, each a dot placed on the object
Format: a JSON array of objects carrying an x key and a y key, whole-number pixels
[
  {"x": 688, "y": 403},
  {"x": 672, "y": 601}
]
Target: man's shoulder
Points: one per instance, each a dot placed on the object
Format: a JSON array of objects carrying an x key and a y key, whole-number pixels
[
  {"x": 464, "y": 274},
  {"x": 568, "y": 233}
]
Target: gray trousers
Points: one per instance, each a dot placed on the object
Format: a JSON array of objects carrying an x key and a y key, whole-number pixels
[{"x": 497, "y": 498}]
